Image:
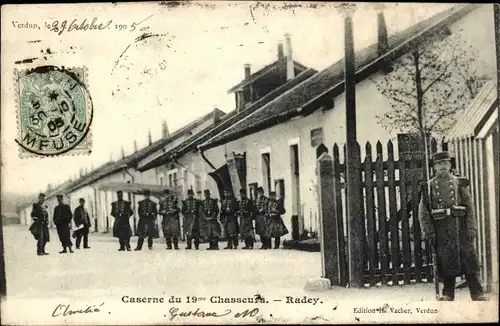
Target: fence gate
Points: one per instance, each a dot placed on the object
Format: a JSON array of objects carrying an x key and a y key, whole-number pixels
[{"x": 394, "y": 251}]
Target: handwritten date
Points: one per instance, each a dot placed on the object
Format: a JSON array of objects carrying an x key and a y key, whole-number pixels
[{"x": 61, "y": 26}]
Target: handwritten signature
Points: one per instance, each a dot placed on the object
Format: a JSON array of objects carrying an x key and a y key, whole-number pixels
[
  {"x": 65, "y": 310},
  {"x": 174, "y": 312}
]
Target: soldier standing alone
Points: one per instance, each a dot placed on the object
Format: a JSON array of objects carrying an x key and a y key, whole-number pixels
[
  {"x": 147, "y": 221},
  {"x": 210, "y": 211},
  {"x": 246, "y": 214},
  {"x": 230, "y": 220},
  {"x": 121, "y": 210},
  {"x": 40, "y": 228},
  {"x": 191, "y": 226},
  {"x": 446, "y": 214},
  {"x": 169, "y": 208},
  {"x": 62, "y": 219}
]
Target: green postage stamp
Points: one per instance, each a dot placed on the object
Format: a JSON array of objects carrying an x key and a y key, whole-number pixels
[{"x": 55, "y": 111}]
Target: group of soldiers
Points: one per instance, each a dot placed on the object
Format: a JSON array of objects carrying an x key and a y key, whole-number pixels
[
  {"x": 203, "y": 219},
  {"x": 62, "y": 220}
]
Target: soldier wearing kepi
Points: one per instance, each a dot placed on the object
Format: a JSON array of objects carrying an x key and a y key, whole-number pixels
[
  {"x": 261, "y": 217},
  {"x": 62, "y": 219},
  {"x": 147, "y": 221},
  {"x": 245, "y": 211},
  {"x": 121, "y": 210},
  {"x": 275, "y": 228},
  {"x": 40, "y": 228},
  {"x": 210, "y": 211},
  {"x": 191, "y": 225},
  {"x": 229, "y": 219},
  {"x": 446, "y": 214},
  {"x": 169, "y": 209},
  {"x": 82, "y": 219}
]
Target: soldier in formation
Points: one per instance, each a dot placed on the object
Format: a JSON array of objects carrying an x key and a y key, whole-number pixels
[
  {"x": 169, "y": 209},
  {"x": 121, "y": 210},
  {"x": 229, "y": 219},
  {"x": 62, "y": 220},
  {"x": 82, "y": 221},
  {"x": 147, "y": 221},
  {"x": 210, "y": 213},
  {"x": 39, "y": 229},
  {"x": 261, "y": 207},
  {"x": 275, "y": 228},
  {"x": 446, "y": 214},
  {"x": 191, "y": 226},
  {"x": 245, "y": 211}
]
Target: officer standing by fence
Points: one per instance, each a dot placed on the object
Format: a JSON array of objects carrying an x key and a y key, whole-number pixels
[{"x": 447, "y": 218}]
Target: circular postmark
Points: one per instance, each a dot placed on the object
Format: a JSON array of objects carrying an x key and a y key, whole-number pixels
[{"x": 55, "y": 110}]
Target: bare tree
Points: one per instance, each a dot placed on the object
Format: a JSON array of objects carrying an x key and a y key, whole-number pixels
[{"x": 430, "y": 85}]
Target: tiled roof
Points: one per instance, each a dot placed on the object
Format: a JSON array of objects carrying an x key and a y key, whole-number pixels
[
  {"x": 310, "y": 94},
  {"x": 132, "y": 159},
  {"x": 475, "y": 112},
  {"x": 231, "y": 118},
  {"x": 262, "y": 72}
]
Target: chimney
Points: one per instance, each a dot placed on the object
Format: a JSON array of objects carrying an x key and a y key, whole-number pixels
[
  {"x": 281, "y": 54},
  {"x": 135, "y": 146},
  {"x": 111, "y": 156},
  {"x": 150, "y": 137},
  {"x": 383, "y": 40},
  {"x": 247, "y": 70},
  {"x": 216, "y": 115},
  {"x": 164, "y": 130},
  {"x": 240, "y": 100},
  {"x": 123, "y": 153},
  {"x": 290, "y": 67}
]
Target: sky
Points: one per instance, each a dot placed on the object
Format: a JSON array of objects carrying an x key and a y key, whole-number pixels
[{"x": 178, "y": 75}]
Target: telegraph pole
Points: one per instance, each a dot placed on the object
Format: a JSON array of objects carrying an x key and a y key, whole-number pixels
[{"x": 355, "y": 220}]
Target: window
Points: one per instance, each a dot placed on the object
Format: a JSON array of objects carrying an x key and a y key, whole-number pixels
[
  {"x": 170, "y": 183},
  {"x": 161, "y": 181},
  {"x": 252, "y": 194},
  {"x": 266, "y": 172},
  {"x": 174, "y": 179},
  {"x": 279, "y": 186}
]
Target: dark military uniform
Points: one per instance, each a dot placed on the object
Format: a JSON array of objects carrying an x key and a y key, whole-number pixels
[
  {"x": 39, "y": 228},
  {"x": 81, "y": 217},
  {"x": 448, "y": 217},
  {"x": 191, "y": 227},
  {"x": 121, "y": 210},
  {"x": 169, "y": 209},
  {"x": 245, "y": 211},
  {"x": 261, "y": 219},
  {"x": 212, "y": 229},
  {"x": 229, "y": 220},
  {"x": 275, "y": 228},
  {"x": 147, "y": 223},
  {"x": 62, "y": 220}
]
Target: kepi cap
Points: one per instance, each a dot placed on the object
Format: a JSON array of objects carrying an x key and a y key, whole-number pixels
[{"x": 441, "y": 156}]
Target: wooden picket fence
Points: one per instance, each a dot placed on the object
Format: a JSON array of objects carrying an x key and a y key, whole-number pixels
[{"x": 394, "y": 251}]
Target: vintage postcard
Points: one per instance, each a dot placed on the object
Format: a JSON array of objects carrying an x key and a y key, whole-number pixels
[{"x": 184, "y": 162}]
